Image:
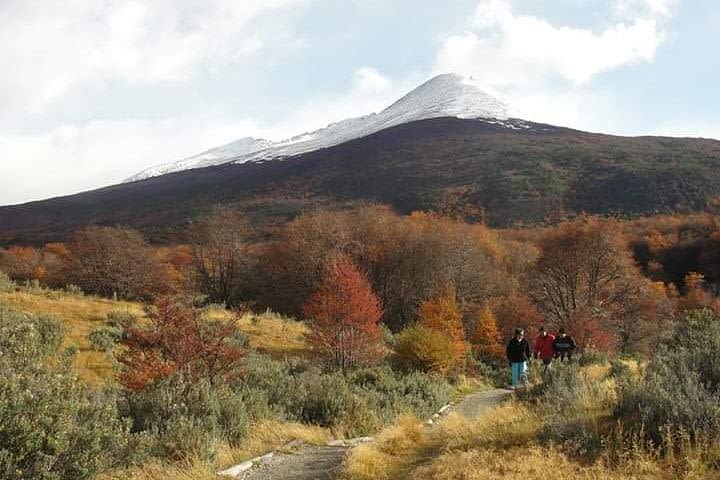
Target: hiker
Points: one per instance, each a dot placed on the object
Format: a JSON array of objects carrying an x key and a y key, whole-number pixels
[
  {"x": 564, "y": 346},
  {"x": 518, "y": 354},
  {"x": 544, "y": 349}
]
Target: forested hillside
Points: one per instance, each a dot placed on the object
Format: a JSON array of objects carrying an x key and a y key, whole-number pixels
[{"x": 500, "y": 174}]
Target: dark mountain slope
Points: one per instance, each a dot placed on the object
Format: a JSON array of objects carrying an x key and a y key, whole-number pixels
[{"x": 502, "y": 173}]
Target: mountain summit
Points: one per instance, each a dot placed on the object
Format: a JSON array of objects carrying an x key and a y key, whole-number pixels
[{"x": 447, "y": 95}]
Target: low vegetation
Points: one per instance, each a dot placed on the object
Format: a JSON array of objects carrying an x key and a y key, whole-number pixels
[
  {"x": 599, "y": 421},
  {"x": 169, "y": 368}
]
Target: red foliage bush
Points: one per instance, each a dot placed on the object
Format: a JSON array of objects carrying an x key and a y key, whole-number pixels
[{"x": 178, "y": 340}]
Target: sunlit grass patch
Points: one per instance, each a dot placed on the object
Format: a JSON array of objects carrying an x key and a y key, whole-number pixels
[{"x": 80, "y": 315}]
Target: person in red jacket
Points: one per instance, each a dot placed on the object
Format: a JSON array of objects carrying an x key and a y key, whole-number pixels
[{"x": 544, "y": 347}]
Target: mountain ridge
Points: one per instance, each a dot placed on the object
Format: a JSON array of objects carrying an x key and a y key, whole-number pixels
[
  {"x": 498, "y": 172},
  {"x": 445, "y": 95}
]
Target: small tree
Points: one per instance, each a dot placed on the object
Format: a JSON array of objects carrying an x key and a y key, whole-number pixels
[
  {"x": 178, "y": 339},
  {"x": 344, "y": 316},
  {"x": 485, "y": 339},
  {"x": 443, "y": 315},
  {"x": 220, "y": 255}
]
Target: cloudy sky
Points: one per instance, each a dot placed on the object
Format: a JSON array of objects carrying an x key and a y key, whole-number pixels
[{"x": 93, "y": 91}]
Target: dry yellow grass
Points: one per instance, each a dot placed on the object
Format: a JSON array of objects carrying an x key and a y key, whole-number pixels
[
  {"x": 275, "y": 335},
  {"x": 263, "y": 437},
  {"x": 401, "y": 449},
  {"x": 531, "y": 461},
  {"x": 500, "y": 445},
  {"x": 268, "y": 332},
  {"x": 80, "y": 315}
]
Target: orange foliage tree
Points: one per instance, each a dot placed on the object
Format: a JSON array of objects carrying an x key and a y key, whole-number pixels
[
  {"x": 696, "y": 294},
  {"x": 485, "y": 338},
  {"x": 443, "y": 315},
  {"x": 516, "y": 310},
  {"x": 344, "y": 316},
  {"x": 176, "y": 339},
  {"x": 586, "y": 280},
  {"x": 20, "y": 262}
]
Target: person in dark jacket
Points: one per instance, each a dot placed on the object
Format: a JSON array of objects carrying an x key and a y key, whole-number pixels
[
  {"x": 564, "y": 346},
  {"x": 518, "y": 354}
]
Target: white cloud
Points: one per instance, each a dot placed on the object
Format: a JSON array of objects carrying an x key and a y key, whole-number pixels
[
  {"x": 546, "y": 69},
  {"x": 52, "y": 47},
  {"x": 368, "y": 78},
  {"x": 644, "y": 8},
  {"x": 504, "y": 49},
  {"x": 73, "y": 158}
]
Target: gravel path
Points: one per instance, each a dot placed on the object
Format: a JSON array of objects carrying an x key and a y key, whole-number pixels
[
  {"x": 472, "y": 405},
  {"x": 309, "y": 462}
]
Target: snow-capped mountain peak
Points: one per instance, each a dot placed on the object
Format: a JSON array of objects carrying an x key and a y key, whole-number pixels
[{"x": 447, "y": 95}]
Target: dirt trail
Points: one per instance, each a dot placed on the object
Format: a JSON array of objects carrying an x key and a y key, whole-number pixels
[{"x": 325, "y": 462}]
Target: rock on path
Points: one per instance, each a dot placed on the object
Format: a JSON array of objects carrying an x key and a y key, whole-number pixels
[{"x": 309, "y": 462}]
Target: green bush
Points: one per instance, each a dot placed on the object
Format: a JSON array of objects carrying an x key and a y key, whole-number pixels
[
  {"x": 117, "y": 318},
  {"x": 187, "y": 418},
  {"x": 570, "y": 404},
  {"x": 361, "y": 400},
  {"x": 6, "y": 285},
  {"x": 33, "y": 286},
  {"x": 391, "y": 393},
  {"x": 51, "y": 426},
  {"x": 72, "y": 289},
  {"x": 104, "y": 339},
  {"x": 679, "y": 389}
]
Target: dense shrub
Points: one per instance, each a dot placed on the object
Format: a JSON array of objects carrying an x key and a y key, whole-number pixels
[
  {"x": 680, "y": 387},
  {"x": 391, "y": 393},
  {"x": 6, "y": 285},
  {"x": 571, "y": 404},
  {"x": 51, "y": 426},
  {"x": 105, "y": 337},
  {"x": 425, "y": 349},
  {"x": 188, "y": 417},
  {"x": 361, "y": 400}
]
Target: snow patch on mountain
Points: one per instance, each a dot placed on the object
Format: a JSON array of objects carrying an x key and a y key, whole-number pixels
[
  {"x": 446, "y": 95},
  {"x": 208, "y": 158}
]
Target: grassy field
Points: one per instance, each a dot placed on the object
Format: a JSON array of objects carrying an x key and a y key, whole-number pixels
[{"x": 269, "y": 333}]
